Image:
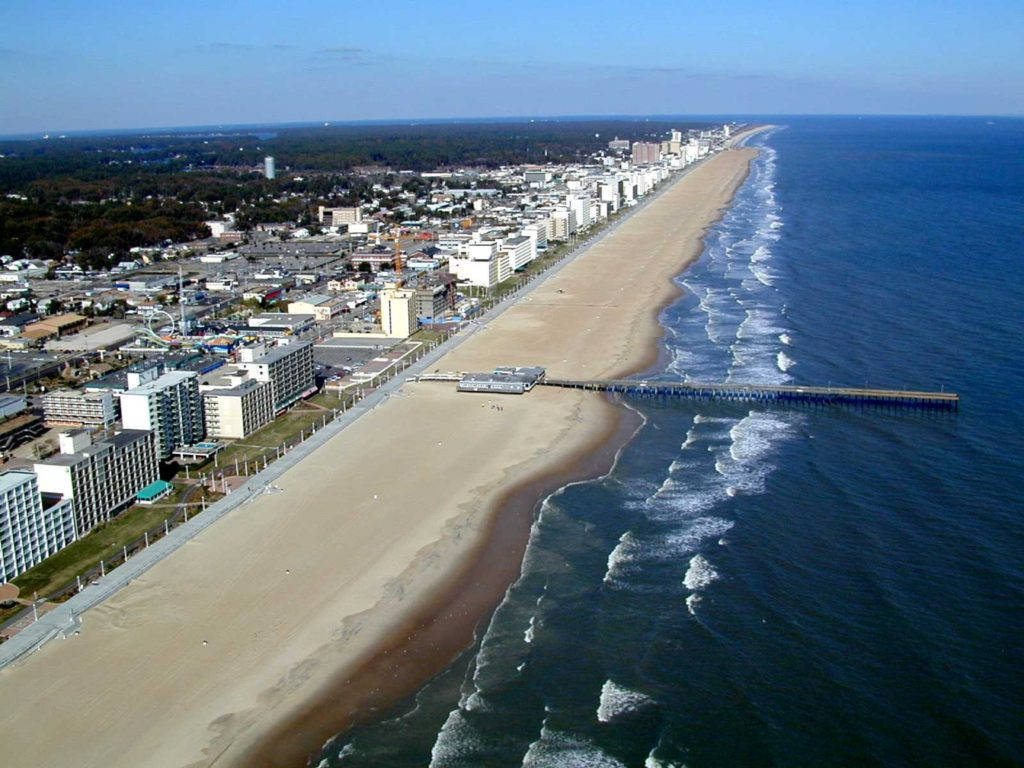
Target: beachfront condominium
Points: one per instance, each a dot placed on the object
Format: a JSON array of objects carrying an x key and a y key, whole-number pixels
[
  {"x": 32, "y": 526},
  {"x": 288, "y": 368},
  {"x": 170, "y": 406},
  {"x": 239, "y": 410},
  {"x": 72, "y": 407},
  {"x": 100, "y": 478}
]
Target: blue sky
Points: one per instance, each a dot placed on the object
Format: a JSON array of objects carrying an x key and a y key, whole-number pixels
[{"x": 117, "y": 64}]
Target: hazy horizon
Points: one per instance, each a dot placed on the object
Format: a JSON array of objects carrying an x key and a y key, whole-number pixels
[{"x": 109, "y": 67}]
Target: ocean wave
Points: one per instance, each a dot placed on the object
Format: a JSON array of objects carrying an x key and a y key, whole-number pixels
[
  {"x": 691, "y": 603},
  {"x": 784, "y": 362},
  {"x": 786, "y": 339},
  {"x": 665, "y": 547},
  {"x": 529, "y": 633},
  {"x": 555, "y": 749},
  {"x": 456, "y": 738},
  {"x": 617, "y": 701},
  {"x": 699, "y": 574}
]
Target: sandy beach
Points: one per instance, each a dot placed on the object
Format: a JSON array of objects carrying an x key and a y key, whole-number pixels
[{"x": 368, "y": 571}]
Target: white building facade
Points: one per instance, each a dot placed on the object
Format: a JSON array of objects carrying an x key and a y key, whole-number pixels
[
  {"x": 170, "y": 406},
  {"x": 31, "y": 528}
]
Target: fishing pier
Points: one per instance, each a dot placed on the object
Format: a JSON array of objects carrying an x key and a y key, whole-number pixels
[{"x": 754, "y": 393}]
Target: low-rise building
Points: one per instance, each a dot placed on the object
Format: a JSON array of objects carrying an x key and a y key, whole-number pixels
[
  {"x": 72, "y": 407},
  {"x": 322, "y": 307},
  {"x": 332, "y": 217},
  {"x": 278, "y": 324},
  {"x": 32, "y": 526},
  {"x": 100, "y": 478}
]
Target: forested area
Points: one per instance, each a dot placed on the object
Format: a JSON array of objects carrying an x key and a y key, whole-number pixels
[{"x": 103, "y": 195}]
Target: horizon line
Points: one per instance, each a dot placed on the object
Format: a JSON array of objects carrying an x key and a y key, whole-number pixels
[{"x": 484, "y": 119}]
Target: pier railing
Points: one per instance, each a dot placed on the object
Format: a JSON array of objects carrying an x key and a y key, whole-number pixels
[{"x": 941, "y": 401}]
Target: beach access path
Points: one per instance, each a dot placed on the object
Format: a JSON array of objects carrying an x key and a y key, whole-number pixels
[{"x": 314, "y": 567}]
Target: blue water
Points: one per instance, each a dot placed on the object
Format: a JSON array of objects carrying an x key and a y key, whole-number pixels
[{"x": 789, "y": 587}]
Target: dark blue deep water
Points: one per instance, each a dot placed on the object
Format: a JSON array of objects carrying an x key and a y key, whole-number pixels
[{"x": 789, "y": 587}]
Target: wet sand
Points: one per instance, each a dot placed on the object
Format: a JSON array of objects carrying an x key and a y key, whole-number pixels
[{"x": 271, "y": 630}]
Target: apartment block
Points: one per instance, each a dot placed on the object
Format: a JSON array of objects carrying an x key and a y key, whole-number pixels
[
  {"x": 100, "y": 478},
  {"x": 32, "y": 527},
  {"x": 72, "y": 407},
  {"x": 288, "y": 368},
  {"x": 237, "y": 412},
  {"x": 170, "y": 406},
  {"x": 398, "y": 312}
]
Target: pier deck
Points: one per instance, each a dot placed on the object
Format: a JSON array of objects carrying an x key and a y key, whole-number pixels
[
  {"x": 764, "y": 393},
  {"x": 942, "y": 401}
]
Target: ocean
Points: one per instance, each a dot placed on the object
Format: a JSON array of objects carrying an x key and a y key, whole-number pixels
[{"x": 755, "y": 586}]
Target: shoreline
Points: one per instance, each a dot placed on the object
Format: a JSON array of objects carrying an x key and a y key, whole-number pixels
[
  {"x": 516, "y": 513},
  {"x": 446, "y": 624},
  {"x": 311, "y": 595}
]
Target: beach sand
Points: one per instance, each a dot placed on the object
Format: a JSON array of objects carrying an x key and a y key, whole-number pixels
[{"x": 367, "y": 573}]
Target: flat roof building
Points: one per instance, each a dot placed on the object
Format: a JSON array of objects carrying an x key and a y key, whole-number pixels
[
  {"x": 71, "y": 407},
  {"x": 238, "y": 411},
  {"x": 31, "y": 528},
  {"x": 288, "y": 368},
  {"x": 503, "y": 380},
  {"x": 170, "y": 406},
  {"x": 100, "y": 478}
]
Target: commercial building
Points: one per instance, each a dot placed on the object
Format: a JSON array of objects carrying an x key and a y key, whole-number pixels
[
  {"x": 646, "y": 153},
  {"x": 482, "y": 263},
  {"x": 398, "y": 312},
  {"x": 269, "y": 171},
  {"x": 288, "y": 368},
  {"x": 238, "y": 411},
  {"x": 503, "y": 380},
  {"x": 56, "y": 325},
  {"x": 32, "y": 528},
  {"x": 332, "y": 217},
  {"x": 12, "y": 405},
  {"x": 170, "y": 406},
  {"x": 99, "y": 478},
  {"x": 433, "y": 301},
  {"x": 322, "y": 307},
  {"x": 71, "y": 407},
  {"x": 278, "y": 324}
]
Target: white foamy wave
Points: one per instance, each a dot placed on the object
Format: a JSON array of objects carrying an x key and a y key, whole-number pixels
[
  {"x": 691, "y": 603},
  {"x": 346, "y": 751},
  {"x": 754, "y": 435},
  {"x": 761, "y": 253},
  {"x": 784, "y": 361},
  {"x": 528, "y": 634},
  {"x": 702, "y": 529},
  {"x": 456, "y": 737},
  {"x": 617, "y": 700},
  {"x": 763, "y": 275},
  {"x": 555, "y": 749},
  {"x": 699, "y": 574},
  {"x": 785, "y": 338}
]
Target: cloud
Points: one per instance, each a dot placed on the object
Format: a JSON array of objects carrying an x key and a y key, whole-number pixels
[{"x": 243, "y": 47}]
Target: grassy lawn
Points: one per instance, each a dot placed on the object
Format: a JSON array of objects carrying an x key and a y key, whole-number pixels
[
  {"x": 284, "y": 427},
  {"x": 101, "y": 543}
]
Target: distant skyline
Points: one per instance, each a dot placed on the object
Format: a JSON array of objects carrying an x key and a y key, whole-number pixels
[{"x": 114, "y": 65}]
